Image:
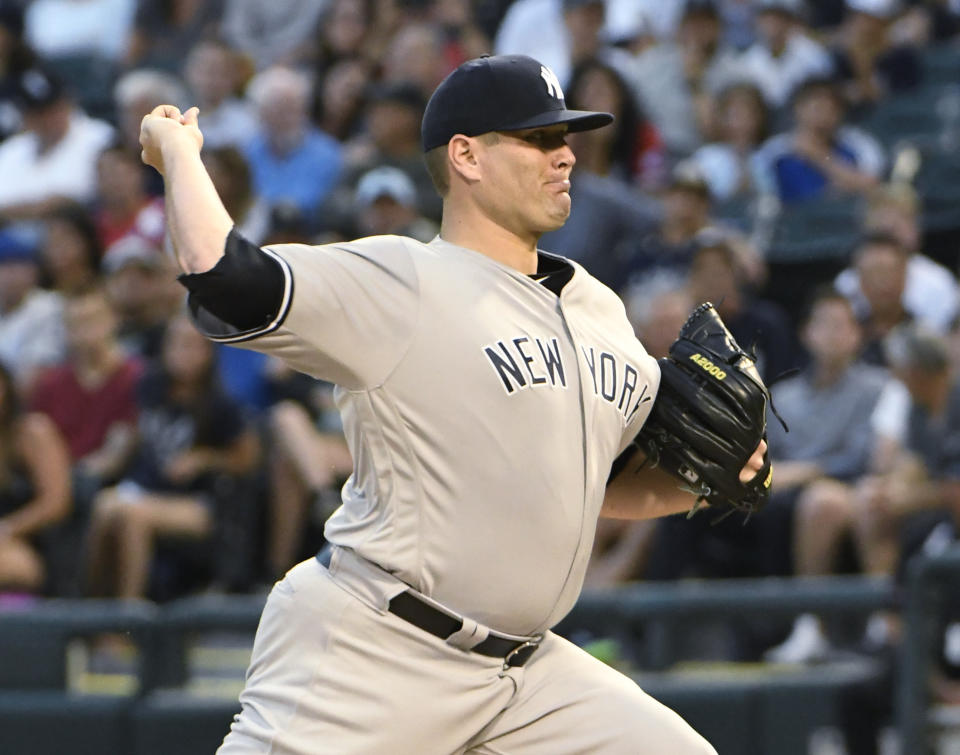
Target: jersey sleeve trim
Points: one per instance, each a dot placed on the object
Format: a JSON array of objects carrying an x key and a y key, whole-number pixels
[
  {"x": 237, "y": 336},
  {"x": 217, "y": 329}
]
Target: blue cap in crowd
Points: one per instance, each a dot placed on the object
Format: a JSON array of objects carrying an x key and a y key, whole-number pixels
[
  {"x": 500, "y": 93},
  {"x": 13, "y": 248}
]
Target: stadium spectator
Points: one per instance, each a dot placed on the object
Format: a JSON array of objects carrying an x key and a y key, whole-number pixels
[
  {"x": 54, "y": 157},
  {"x": 90, "y": 397},
  {"x": 675, "y": 79},
  {"x": 686, "y": 212},
  {"x": 31, "y": 326},
  {"x": 84, "y": 42},
  {"x": 386, "y": 204},
  {"x": 291, "y": 160},
  {"x": 550, "y": 45},
  {"x": 281, "y": 32},
  {"x": 828, "y": 408},
  {"x": 142, "y": 285},
  {"x": 214, "y": 73},
  {"x": 346, "y": 33},
  {"x": 606, "y": 220},
  {"x": 820, "y": 154},
  {"x": 869, "y": 64},
  {"x": 465, "y": 37},
  {"x": 416, "y": 55},
  {"x": 936, "y": 21},
  {"x": 741, "y": 125},
  {"x": 308, "y": 459},
  {"x": 70, "y": 251},
  {"x": 716, "y": 275},
  {"x": 230, "y": 174},
  {"x": 671, "y": 246},
  {"x": 136, "y": 92},
  {"x": 785, "y": 53},
  {"x": 739, "y": 23},
  {"x": 189, "y": 433},
  {"x": 584, "y": 21},
  {"x": 931, "y": 292},
  {"x": 164, "y": 31},
  {"x": 609, "y": 212},
  {"x": 123, "y": 206},
  {"x": 15, "y": 58},
  {"x": 630, "y": 150},
  {"x": 881, "y": 264},
  {"x": 663, "y": 17},
  {"x": 34, "y": 488},
  {"x": 98, "y": 29},
  {"x": 341, "y": 99},
  {"x": 392, "y": 137},
  {"x": 657, "y": 306},
  {"x": 909, "y": 506}
]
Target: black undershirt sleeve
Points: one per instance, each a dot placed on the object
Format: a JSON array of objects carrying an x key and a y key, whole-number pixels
[{"x": 244, "y": 289}]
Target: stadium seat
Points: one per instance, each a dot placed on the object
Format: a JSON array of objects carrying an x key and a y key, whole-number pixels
[
  {"x": 940, "y": 64},
  {"x": 908, "y": 117},
  {"x": 52, "y": 723},
  {"x": 41, "y": 711},
  {"x": 34, "y": 642},
  {"x": 819, "y": 229},
  {"x": 170, "y": 721}
]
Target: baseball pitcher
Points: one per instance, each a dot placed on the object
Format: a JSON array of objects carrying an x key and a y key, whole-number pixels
[{"x": 489, "y": 391}]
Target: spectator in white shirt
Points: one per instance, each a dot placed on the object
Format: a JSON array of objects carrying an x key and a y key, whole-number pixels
[
  {"x": 675, "y": 80},
  {"x": 784, "y": 54},
  {"x": 931, "y": 292},
  {"x": 53, "y": 161},
  {"x": 741, "y": 125},
  {"x": 97, "y": 28},
  {"x": 31, "y": 319}
]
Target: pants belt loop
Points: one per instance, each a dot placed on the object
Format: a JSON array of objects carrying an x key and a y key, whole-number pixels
[{"x": 469, "y": 636}]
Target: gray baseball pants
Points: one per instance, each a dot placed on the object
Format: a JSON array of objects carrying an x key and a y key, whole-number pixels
[{"x": 333, "y": 672}]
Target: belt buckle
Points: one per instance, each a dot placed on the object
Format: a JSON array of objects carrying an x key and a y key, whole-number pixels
[{"x": 534, "y": 643}]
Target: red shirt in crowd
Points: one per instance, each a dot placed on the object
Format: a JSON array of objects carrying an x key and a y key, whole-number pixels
[
  {"x": 84, "y": 416},
  {"x": 149, "y": 222}
]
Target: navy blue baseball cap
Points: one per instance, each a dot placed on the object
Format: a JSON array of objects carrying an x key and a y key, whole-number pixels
[{"x": 500, "y": 93}]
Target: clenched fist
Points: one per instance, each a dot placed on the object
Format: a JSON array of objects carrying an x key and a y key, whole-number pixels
[{"x": 165, "y": 128}]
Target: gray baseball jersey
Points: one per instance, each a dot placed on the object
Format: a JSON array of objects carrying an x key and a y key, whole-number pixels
[{"x": 483, "y": 412}]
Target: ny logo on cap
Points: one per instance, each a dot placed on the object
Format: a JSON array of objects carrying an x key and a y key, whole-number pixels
[{"x": 553, "y": 83}]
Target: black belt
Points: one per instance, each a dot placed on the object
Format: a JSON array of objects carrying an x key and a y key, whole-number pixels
[{"x": 410, "y": 608}]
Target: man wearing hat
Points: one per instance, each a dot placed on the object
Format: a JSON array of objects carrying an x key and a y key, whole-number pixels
[
  {"x": 53, "y": 160},
  {"x": 486, "y": 389},
  {"x": 385, "y": 202}
]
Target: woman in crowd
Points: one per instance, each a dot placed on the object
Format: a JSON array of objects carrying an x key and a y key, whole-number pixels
[
  {"x": 189, "y": 434},
  {"x": 630, "y": 150},
  {"x": 71, "y": 251},
  {"x": 742, "y": 124},
  {"x": 34, "y": 488}
]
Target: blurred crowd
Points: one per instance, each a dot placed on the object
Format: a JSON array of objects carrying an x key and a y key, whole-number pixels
[{"x": 139, "y": 460}]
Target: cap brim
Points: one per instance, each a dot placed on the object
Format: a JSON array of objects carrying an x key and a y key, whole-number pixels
[{"x": 577, "y": 120}]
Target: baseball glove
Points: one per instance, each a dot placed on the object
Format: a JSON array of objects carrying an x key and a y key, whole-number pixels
[{"x": 709, "y": 415}]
